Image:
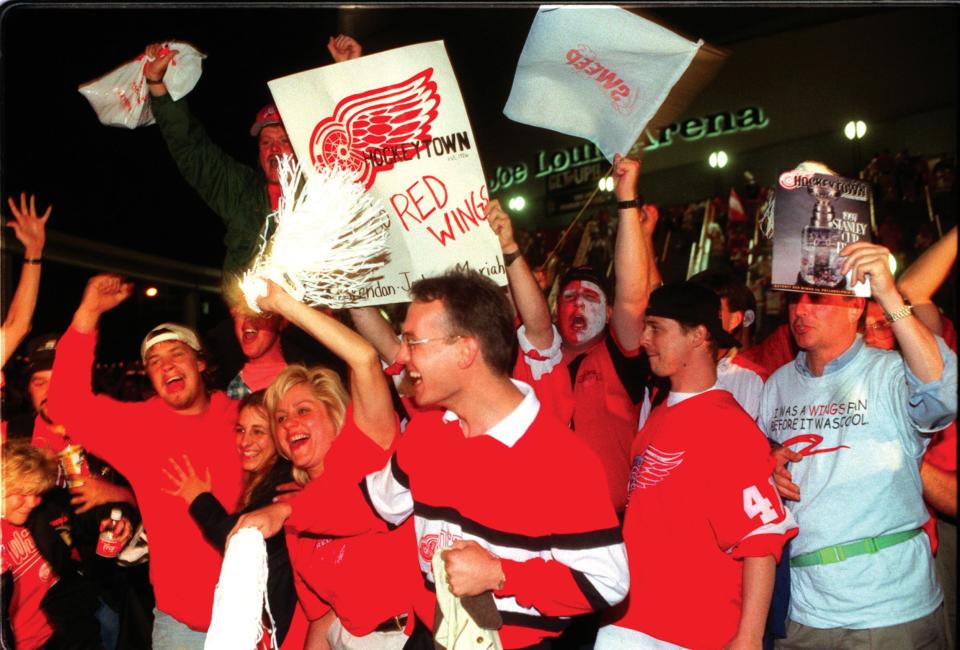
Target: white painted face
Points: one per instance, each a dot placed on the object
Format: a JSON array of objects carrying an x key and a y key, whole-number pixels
[{"x": 582, "y": 312}]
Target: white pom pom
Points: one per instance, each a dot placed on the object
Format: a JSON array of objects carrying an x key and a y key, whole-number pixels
[
  {"x": 253, "y": 287},
  {"x": 241, "y": 595},
  {"x": 330, "y": 241}
]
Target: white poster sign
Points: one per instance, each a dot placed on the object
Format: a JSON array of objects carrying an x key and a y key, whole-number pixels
[{"x": 397, "y": 120}]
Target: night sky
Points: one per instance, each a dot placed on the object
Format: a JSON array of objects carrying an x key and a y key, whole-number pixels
[{"x": 120, "y": 186}]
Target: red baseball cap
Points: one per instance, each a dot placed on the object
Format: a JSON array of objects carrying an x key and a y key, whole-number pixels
[{"x": 266, "y": 116}]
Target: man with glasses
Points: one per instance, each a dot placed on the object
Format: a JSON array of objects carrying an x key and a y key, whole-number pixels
[
  {"x": 485, "y": 478},
  {"x": 858, "y": 420}
]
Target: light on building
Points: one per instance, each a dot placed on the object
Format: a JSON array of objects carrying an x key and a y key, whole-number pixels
[
  {"x": 605, "y": 184},
  {"x": 892, "y": 263},
  {"x": 718, "y": 159},
  {"x": 150, "y": 292},
  {"x": 517, "y": 203},
  {"x": 855, "y": 129}
]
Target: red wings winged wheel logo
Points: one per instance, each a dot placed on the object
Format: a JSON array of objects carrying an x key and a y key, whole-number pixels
[{"x": 391, "y": 116}]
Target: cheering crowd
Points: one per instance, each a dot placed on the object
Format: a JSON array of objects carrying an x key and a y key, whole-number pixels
[{"x": 478, "y": 473}]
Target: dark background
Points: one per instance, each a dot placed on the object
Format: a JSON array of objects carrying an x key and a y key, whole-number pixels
[{"x": 120, "y": 187}]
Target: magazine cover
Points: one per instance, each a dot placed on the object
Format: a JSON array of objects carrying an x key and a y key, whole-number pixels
[{"x": 815, "y": 217}]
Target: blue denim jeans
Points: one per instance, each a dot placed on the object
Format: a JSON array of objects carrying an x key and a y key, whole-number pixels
[
  {"x": 109, "y": 621},
  {"x": 171, "y": 634}
]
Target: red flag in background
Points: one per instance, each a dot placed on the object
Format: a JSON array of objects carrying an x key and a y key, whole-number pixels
[{"x": 735, "y": 210}]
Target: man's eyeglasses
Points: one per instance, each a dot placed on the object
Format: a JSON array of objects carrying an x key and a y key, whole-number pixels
[{"x": 412, "y": 342}]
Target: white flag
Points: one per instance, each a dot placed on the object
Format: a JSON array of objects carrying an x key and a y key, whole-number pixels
[{"x": 597, "y": 72}]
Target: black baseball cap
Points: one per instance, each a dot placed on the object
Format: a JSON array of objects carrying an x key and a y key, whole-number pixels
[
  {"x": 586, "y": 274},
  {"x": 40, "y": 352},
  {"x": 726, "y": 285},
  {"x": 692, "y": 304}
]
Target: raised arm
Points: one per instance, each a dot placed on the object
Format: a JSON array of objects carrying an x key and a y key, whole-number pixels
[
  {"x": 916, "y": 341},
  {"x": 233, "y": 190},
  {"x": 30, "y": 230},
  {"x": 631, "y": 258},
  {"x": 156, "y": 66},
  {"x": 343, "y": 48},
  {"x": 923, "y": 278},
  {"x": 374, "y": 327},
  {"x": 372, "y": 405},
  {"x": 648, "y": 222},
  {"x": 103, "y": 293},
  {"x": 528, "y": 299},
  {"x": 92, "y": 420}
]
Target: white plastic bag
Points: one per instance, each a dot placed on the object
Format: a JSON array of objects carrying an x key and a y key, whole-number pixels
[{"x": 121, "y": 97}]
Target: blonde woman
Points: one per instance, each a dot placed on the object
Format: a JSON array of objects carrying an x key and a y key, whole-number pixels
[{"x": 334, "y": 438}]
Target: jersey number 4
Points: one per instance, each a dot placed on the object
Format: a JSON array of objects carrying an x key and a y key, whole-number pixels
[{"x": 755, "y": 504}]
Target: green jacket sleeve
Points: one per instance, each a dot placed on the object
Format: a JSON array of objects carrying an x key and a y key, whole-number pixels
[{"x": 236, "y": 192}]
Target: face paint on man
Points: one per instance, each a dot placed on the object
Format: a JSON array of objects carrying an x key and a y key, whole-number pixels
[{"x": 582, "y": 312}]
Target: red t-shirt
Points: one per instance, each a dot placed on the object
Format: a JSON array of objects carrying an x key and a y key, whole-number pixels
[
  {"x": 701, "y": 499},
  {"x": 274, "y": 191},
  {"x": 748, "y": 363},
  {"x": 32, "y": 577},
  {"x": 368, "y": 579},
  {"x": 602, "y": 404},
  {"x": 340, "y": 571},
  {"x": 942, "y": 450},
  {"x": 332, "y": 504},
  {"x": 138, "y": 438}
]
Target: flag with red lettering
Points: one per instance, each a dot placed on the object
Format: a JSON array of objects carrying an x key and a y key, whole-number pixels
[
  {"x": 596, "y": 72},
  {"x": 735, "y": 210},
  {"x": 396, "y": 122}
]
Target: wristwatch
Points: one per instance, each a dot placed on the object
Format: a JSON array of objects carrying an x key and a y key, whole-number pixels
[{"x": 903, "y": 312}]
